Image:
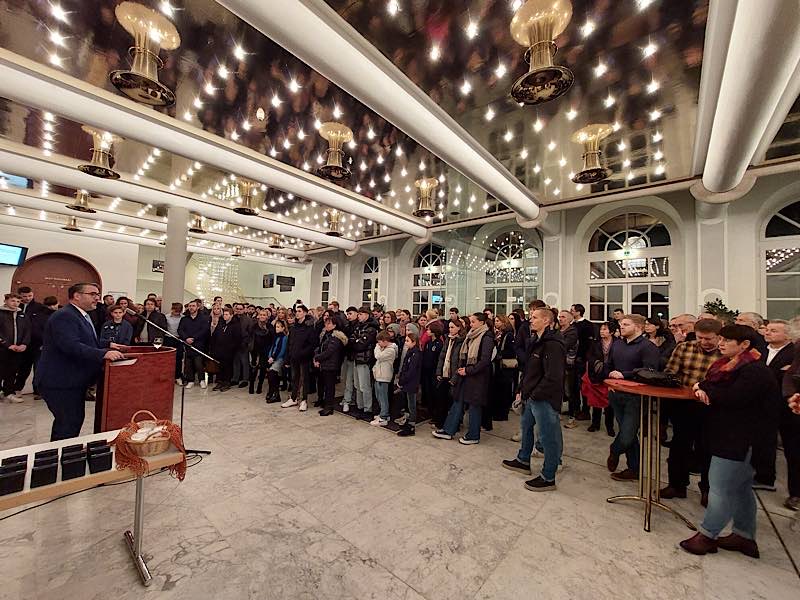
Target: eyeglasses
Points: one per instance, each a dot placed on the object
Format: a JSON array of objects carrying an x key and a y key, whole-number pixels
[{"x": 90, "y": 293}]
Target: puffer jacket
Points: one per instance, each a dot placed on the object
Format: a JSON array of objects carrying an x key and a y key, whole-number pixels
[
  {"x": 384, "y": 363},
  {"x": 543, "y": 377},
  {"x": 15, "y": 328},
  {"x": 362, "y": 340},
  {"x": 302, "y": 340},
  {"x": 330, "y": 352}
]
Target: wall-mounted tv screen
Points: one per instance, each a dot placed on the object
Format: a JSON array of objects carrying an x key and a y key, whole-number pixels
[{"x": 12, "y": 255}]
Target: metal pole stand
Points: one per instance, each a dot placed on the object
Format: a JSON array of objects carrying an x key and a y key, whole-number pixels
[
  {"x": 134, "y": 540},
  {"x": 650, "y": 464}
]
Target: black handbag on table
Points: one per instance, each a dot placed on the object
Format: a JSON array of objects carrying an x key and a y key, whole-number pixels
[{"x": 656, "y": 378}]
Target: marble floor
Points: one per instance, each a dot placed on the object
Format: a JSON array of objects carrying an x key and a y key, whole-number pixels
[{"x": 293, "y": 506}]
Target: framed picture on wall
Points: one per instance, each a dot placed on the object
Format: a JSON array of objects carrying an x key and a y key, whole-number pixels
[
  {"x": 158, "y": 266},
  {"x": 268, "y": 281}
]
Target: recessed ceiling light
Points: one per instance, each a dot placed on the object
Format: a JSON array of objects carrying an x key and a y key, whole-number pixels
[
  {"x": 223, "y": 71},
  {"x": 435, "y": 53},
  {"x": 609, "y": 101},
  {"x": 509, "y": 135},
  {"x": 500, "y": 71},
  {"x": 626, "y": 163},
  {"x": 652, "y": 86},
  {"x": 600, "y": 69},
  {"x": 649, "y": 50},
  {"x": 489, "y": 113},
  {"x": 57, "y": 38},
  {"x": 658, "y": 155},
  {"x": 238, "y": 52},
  {"x": 472, "y": 29},
  {"x": 562, "y": 162},
  {"x": 524, "y": 154},
  {"x": 55, "y": 60},
  {"x": 551, "y": 146},
  {"x": 59, "y": 14},
  {"x": 660, "y": 169},
  {"x": 392, "y": 7},
  {"x": 466, "y": 87},
  {"x": 294, "y": 87},
  {"x": 538, "y": 125},
  {"x": 587, "y": 28},
  {"x": 655, "y": 115},
  {"x": 209, "y": 89},
  {"x": 337, "y": 112},
  {"x": 571, "y": 114},
  {"x": 622, "y": 145}
]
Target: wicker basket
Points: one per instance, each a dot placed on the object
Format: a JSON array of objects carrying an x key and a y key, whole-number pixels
[{"x": 155, "y": 443}]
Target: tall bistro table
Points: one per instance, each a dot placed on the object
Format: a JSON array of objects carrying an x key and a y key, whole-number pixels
[
  {"x": 61, "y": 488},
  {"x": 650, "y": 445}
]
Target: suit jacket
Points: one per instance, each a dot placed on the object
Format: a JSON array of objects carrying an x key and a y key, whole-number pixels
[
  {"x": 778, "y": 367},
  {"x": 72, "y": 355},
  {"x": 152, "y": 333}
]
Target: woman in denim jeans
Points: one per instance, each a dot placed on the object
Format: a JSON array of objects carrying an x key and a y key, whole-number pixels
[
  {"x": 383, "y": 370},
  {"x": 735, "y": 389}
]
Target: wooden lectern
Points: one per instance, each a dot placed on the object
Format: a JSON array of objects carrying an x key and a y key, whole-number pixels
[{"x": 144, "y": 380}]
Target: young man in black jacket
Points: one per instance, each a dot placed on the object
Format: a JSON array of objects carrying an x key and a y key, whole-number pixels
[
  {"x": 328, "y": 359},
  {"x": 363, "y": 339},
  {"x": 15, "y": 336},
  {"x": 300, "y": 350},
  {"x": 630, "y": 352},
  {"x": 585, "y": 338},
  {"x": 542, "y": 391},
  {"x": 194, "y": 329}
]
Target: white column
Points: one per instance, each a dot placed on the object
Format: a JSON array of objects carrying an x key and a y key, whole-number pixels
[{"x": 176, "y": 255}]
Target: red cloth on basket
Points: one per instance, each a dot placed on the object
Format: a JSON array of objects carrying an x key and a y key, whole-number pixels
[{"x": 596, "y": 394}]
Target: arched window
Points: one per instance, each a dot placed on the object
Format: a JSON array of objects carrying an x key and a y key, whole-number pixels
[
  {"x": 512, "y": 273},
  {"x": 629, "y": 258},
  {"x": 369, "y": 285},
  {"x": 326, "y": 284},
  {"x": 428, "y": 280},
  {"x": 781, "y": 252}
]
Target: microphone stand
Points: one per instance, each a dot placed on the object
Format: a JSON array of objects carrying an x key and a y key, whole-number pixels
[{"x": 188, "y": 348}]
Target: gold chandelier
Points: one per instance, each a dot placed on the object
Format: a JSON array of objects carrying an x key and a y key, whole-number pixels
[
  {"x": 535, "y": 25},
  {"x": 71, "y": 225},
  {"x": 82, "y": 202},
  {"x": 247, "y": 190},
  {"x": 333, "y": 223},
  {"x": 425, "y": 188},
  {"x": 151, "y": 32},
  {"x": 337, "y": 135},
  {"x": 197, "y": 225},
  {"x": 100, "y": 165},
  {"x": 591, "y": 136},
  {"x": 274, "y": 241}
]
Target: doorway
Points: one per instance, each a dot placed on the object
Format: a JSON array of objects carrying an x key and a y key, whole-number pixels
[{"x": 52, "y": 274}]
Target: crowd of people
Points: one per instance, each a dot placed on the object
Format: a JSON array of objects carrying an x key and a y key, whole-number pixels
[{"x": 541, "y": 365}]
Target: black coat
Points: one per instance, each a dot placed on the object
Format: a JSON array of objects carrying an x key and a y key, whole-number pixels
[
  {"x": 152, "y": 333},
  {"x": 226, "y": 340},
  {"x": 330, "y": 352},
  {"x": 473, "y": 388},
  {"x": 197, "y": 328},
  {"x": 37, "y": 315},
  {"x": 303, "y": 340},
  {"x": 15, "y": 328},
  {"x": 410, "y": 371},
  {"x": 362, "y": 341},
  {"x": 737, "y": 409},
  {"x": 262, "y": 339},
  {"x": 586, "y": 336},
  {"x": 543, "y": 377},
  {"x": 453, "y": 358},
  {"x": 430, "y": 355}
]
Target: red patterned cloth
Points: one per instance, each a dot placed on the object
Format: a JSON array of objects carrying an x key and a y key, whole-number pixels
[{"x": 596, "y": 394}]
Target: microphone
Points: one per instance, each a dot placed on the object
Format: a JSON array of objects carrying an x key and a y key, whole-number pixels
[{"x": 132, "y": 312}]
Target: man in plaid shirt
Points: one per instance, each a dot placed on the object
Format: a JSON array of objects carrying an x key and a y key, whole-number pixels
[{"x": 690, "y": 362}]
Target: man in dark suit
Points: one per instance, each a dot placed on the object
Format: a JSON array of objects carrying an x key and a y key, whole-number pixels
[
  {"x": 72, "y": 358},
  {"x": 778, "y": 357},
  {"x": 33, "y": 311}
]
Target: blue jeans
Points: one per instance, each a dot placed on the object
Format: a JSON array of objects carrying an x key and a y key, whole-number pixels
[
  {"x": 547, "y": 418},
  {"x": 363, "y": 382},
  {"x": 411, "y": 403},
  {"x": 348, "y": 376},
  {"x": 453, "y": 421},
  {"x": 730, "y": 497},
  {"x": 382, "y": 394},
  {"x": 627, "y": 409}
]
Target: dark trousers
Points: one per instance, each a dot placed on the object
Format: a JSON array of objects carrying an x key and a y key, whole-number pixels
[
  {"x": 9, "y": 367},
  {"x": 300, "y": 379},
  {"x": 258, "y": 369},
  {"x": 27, "y": 363},
  {"x": 169, "y": 342},
  {"x": 765, "y": 443},
  {"x": 577, "y": 404},
  {"x": 442, "y": 402},
  {"x": 608, "y": 421},
  {"x": 328, "y": 381},
  {"x": 688, "y": 444},
  {"x": 273, "y": 381},
  {"x": 194, "y": 366},
  {"x": 790, "y": 435},
  {"x": 225, "y": 370},
  {"x": 504, "y": 391},
  {"x": 428, "y": 387},
  {"x": 68, "y": 408}
]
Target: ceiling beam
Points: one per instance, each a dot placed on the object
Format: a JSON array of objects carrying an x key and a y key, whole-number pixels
[
  {"x": 133, "y": 239},
  {"x": 332, "y": 47},
  {"x": 34, "y": 84},
  {"x": 760, "y": 60},
  {"x": 26, "y": 161},
  {"x": 57, "y": 204}
]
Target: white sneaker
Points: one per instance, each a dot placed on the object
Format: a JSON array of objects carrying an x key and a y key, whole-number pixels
[
  {"x": 178, "y": 381},
  {"x": 516, "y": 437},
  {"x": 402, "y": 420},
  {"x": 289, "y": 403},
  {"x": 190, "y": 385},
  {"x": 346, "y": 409},
  {"x": 378, "y": 422},
  {"x": 203, "y": 384},
  {"x": 14, "y": 399},
  {"x": 303, "y": 406},
  {"x": 467, "y": 442}
]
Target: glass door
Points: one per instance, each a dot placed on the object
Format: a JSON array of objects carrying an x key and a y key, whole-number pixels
[{"x": 646, "y": 299}]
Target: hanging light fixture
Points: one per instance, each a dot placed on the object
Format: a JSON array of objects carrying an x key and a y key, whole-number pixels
[
  {"x": 425, "y": 188},
  {"x": 333, "y": 223},
  {"x": 237, "y": 252},
  {"x": 151, "y": 32},
  {"x": 535, "y": 25},
  {"x": 247, "y": 190},
  {"x": 100, "y": 165},
  {"x": 197, "y": 225},
  {"x": 337, "y": 135},
  {"x": 71, "y": 225},
  {"x": 275, "y": 242},
  {"x": 591, "y": 136},
  {"x": 81, "y": 203}
]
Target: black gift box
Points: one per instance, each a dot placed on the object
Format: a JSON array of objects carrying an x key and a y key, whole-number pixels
[
  {"x": 44, "y": 472},
  {"x": 72, "y": 449},
  {"x": 12, "y": 478},
  {"x": 100, "y": 461},
  {"x": 73, "y": 455},
  {"x": 73, "y": 467},
  {"x": 22, "y": 458},
  {"x": 96, "y": 444},
  {"x": 52, "y": 452}
]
